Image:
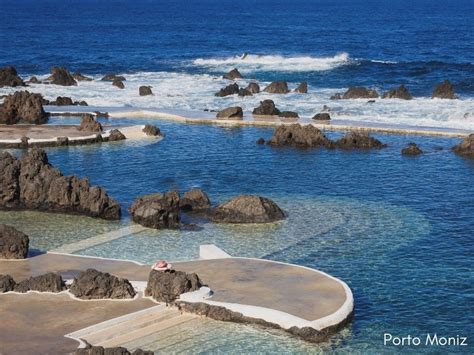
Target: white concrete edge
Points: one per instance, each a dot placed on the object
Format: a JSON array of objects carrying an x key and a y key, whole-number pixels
[
  {"x": 91, "y": 257},
  {"x": 197, "y": 296},
  {"x": 138, "y": 295},
  {"x": 211, "y": 251}
]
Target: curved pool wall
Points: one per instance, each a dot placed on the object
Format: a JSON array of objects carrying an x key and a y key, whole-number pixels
[{"x": 399, "y": 230}]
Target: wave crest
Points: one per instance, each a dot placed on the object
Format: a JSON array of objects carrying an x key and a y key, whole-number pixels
[{"x": 252, "y": 62}]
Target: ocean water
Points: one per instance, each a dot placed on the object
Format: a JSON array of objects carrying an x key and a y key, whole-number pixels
[{"x": 182, "y": 48}]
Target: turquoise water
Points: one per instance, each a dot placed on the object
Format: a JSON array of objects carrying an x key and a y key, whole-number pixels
[{"x": 399, "y": 230}]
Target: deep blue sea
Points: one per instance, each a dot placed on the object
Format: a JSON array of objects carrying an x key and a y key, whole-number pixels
[{"x": 398, "y": 230}]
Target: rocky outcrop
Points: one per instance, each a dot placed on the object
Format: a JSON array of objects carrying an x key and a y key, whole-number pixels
[
  {"x": 60, "y": 76},
  {"x": 399, "y": 93},
  {"x": 9, "y": 77},
  {"x": 89, "y": 124},
  {"x": 23, "y": 106},
  {"x": 50, "y": 282},
  {"x": 151, "y": 130},
  {"x": 302, "y": 88},
  {"x": 118, "y": 83},
  {"x": 266, "y": 108},
  {"x": 113, "y": 77},
  {"x": 79, "y": 77},
  {"x": 93, "y": 284},
  {"x": 359, "y": 140},
  {"x": 233, "y": 113},
  {"x": 231, "y": 89},
  {"x": 444, "y": 90},
  {"x": 100, "y": 350},
  {"x": 277, "y": 87},
  {"x": 64, "y": 101},
  {"x": 116, "y": 135},
  {"x": 34, "y": 80},
  {"x": 247, "y": 209},
  {"x": 466, "y": 147},
  {"x": 360, "y": 92},
  {"x": 253, "y": 88},
  {"x": 322, "y": 116},
  {"x": 195, "y": 200},
  {"x": 289, "y": 114},
  {"x": 7, "y": 283},
  {"x": 260, "y": 141},
  {"x": 13, "y": 243},
  {"x": 233, "y": 74},
  {"x": 297, "y": 135},
  {"x": 167, "y": 286},
  {"x": 157, "y": 210},
  {"x": 412, "y": 149},
  {"x": 336, "y": 96},
  {"x": 145, "y": 90},
  {"x": 32, "y": 183},
  {"x": 244, "y": 92}
]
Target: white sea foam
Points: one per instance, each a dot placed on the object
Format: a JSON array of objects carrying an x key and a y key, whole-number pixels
[
  {"x": 251, "y": 62},
  {"x": 194, "y": 93}
]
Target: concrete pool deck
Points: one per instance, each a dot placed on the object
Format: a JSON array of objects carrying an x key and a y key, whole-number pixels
[{"x": 282, "y": 294}]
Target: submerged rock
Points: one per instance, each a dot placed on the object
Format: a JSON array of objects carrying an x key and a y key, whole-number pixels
[
  {"x": 13, "y": 243},
  {"x": 9, "y": 77},
  {"x": 231, "y": 89},
  {"x": 277, "y": 87},
  {"x": 195, "y": 200},
  {"x": 336, "y": 96},
  {"x": 118, "y": 83},
  {"x": 113, "y": 77},
  {"x": 302, "y": 88},
  {"x": 359, "y": 140},
  {"x": 233, "y": 74},
  {"x": 49, "y": 282},
  {"x": 32, "y": 183},
  {"x": 299, "y": 136},
  {"x": 322, "y": 116},
  {"x": 260, "y": 141},
  {"x": 466, "y": 147},
  {"x": 65, "y": 101},
  {"x": 116, "y": 135},
  {"x": 234, "y": 113},
  {"x": 157, "y": 210},
  {"x": 266, "y": 108},
  {"x": 79, "y": 77},
  {"x": 247, "y": 209},
  {"x": 399, "y": 93},
  {"x": 151, "y": 130},
  {"x": 145, "y": 90},
  {"x": 7, "y": 283},
  {"x": 360, "y": 92},
  {"x": 34, "y": 80},
  {"x": 254, "y": 88},
  {"x": 89, "y": 124},
  {"x": 167, "y": 286},
  {"x": 244, "y": 92},
  {"x": 289, "y": 114},
  {"x": 412, "y": 149},
  {"x": 444, "y": 90},
  {"x": 23, "y": 106},
  {"x": 60, "y": 76},
  {"x": 93, "y": 284}
]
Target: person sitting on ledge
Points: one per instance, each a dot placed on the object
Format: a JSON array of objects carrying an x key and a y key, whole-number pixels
[{"x": 161, "y": 265}]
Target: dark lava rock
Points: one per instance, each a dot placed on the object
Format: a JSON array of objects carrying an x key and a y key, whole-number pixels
[
  {"x": 412, "y": 149},
  {"x": 93, "y": 284},
  {"x": 23, "y": 106},
  {"x": 151, "y": 130},
  {"x": 302, "y": 88},
  {"x": 99, "y": 114},
  {"x": 32, "y": 183},
  {"x": 233, "y": 74},
  {"x": 167, "y": 286},
  {"x": 195, "y": 200},
  {"x": 231, "y": 89},
  {"x": 289, "y": 114},
  {"x": 7, "y": 283},
  {"x": 359, "y": 140},
  {"x": 260, "y": 141},
  {"x": 359, "y": 92},
  {"x": 100, "y": 350},
  {"x": 399, "y": 93},
  {"x": 234, "y": 113},
  {"x": 277, "y": 87},
  {"x": 113, "y": 77},
  {"x": 297, "y": 135},
  {"x": 65, "y": 101},
  {"x": 118, "y": 83},
  {"x": 444, "y": 90},
  {"x": 9, "y": 77},
  {"x": 13, "y": 243},
  {"x": 247, "y": 209},
  {"x": 145, "y": 90},
  {"x": 244, "y": 92},
  {"x": 79, "y": 77},
  {"x": 89, "y": 124},
  {"x": 266, "y": 108},
  {"x": 322, "y": 116},
  {"x": 34, "y": 80},
  {"x": 116, "y": 135},
  {"x": 336, "y": 96},
  {"x": 157, "y": 210},
  {"x": 60, "y": 76},
  {"x": 253, "y": 88},
  {"x": 50, "y": 282},
  {"x": 466, "y": 147}
]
